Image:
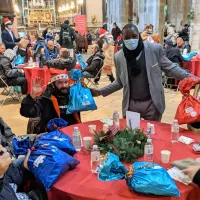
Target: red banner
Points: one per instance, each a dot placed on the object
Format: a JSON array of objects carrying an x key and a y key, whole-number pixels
[{"x": 80, "y": 23}]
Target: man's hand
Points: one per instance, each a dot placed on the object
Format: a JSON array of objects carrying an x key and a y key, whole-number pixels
[
  {"x": 26, "y": 159},
  {"x": 42, "y": 51},
  {"x": 191, "y": 171},
  {"x": 95, "y": 92},
  {"x": 37, "y": 87},
  {"x": 5, "y": 160}
]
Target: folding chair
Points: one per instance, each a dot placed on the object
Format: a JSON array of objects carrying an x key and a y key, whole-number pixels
[
  {"x": 8, "y": 91},
  {"x": 91, "y": 82},
  {"x": 170, "y": 85}
]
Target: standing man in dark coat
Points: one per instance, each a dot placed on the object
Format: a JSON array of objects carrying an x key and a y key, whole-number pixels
[
  {"x": 67, "y": 37},
  {"x": 8, "y": 36}
]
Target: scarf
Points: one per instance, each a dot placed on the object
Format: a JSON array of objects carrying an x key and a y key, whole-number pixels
[{"x": 131, "y": 56}]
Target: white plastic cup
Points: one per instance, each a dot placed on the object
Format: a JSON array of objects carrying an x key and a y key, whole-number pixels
[
  {"x": 105, "y": 128},
  {"x": 92, "y": 128},
  {"x": 87, "y": 143},
  {"x": 165, "y": 156}
]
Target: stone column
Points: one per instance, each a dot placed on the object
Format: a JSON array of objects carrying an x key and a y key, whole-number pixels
[
  {"x": 195, "y": 27},
  {"x": 117, "y": 12}
]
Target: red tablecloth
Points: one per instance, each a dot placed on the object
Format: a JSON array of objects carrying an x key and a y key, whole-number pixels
[
  {"x": 81, "y": 184},
  {"x": 32, "y": 73},
  {"x": 193, "y": 66}
]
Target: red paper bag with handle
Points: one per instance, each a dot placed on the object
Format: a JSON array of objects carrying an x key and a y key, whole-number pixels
[{"x": 188, "y": 110}]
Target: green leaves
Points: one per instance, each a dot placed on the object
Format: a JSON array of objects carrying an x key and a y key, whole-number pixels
[{"x": 127, "y": 144}]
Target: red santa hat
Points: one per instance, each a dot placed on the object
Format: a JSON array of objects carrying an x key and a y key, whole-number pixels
[
  {"x": 57, "y": 74},
  {"x": 102, "y": 32},
  {"x": 7, "y": 21}
]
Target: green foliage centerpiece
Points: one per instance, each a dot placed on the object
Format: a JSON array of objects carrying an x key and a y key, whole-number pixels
[{"x": 127, "y": 144}]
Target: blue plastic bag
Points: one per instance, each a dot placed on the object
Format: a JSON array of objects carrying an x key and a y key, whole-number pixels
[
  {"x": 20, "y": 146},
  {"x": 80, "y": 99},
  {"x": 187, "y": 57},
  {"x": 49, "y": 163},
  {"x": 79, "y": 58},
  {"x": 19, "y": 60},
  {"x": 76, "y": 74},
  {"x": 56, "y": 138},
  {"x": 142, "y": 177}
]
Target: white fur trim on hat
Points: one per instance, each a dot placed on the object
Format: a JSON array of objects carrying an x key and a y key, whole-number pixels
[{"x": 59, "y": 77}]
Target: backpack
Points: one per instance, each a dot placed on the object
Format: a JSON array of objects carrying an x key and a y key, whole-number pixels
[{"x": 66, "y": 37}]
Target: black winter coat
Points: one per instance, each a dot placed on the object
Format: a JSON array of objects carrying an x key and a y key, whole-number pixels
[{"x": 45, "y": 107}]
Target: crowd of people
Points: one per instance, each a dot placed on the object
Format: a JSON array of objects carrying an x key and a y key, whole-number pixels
[{"x": 139, "y": 62}]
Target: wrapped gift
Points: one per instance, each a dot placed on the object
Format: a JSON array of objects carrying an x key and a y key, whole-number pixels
[
  {"x": 141, "y": 177},
  {"x": 49, "y": 163}
]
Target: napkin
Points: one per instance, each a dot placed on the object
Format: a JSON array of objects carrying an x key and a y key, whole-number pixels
[{"x": 185, "y": 140}]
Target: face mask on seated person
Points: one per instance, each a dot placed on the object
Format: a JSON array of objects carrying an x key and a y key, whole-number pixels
[{"x": 131, "y": 44}]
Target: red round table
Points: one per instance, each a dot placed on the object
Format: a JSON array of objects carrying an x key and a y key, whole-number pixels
[
  {"x": 81, "y": 184},
  {"x": 32, "y": 73},
  {"x": 193, "y": 66}
]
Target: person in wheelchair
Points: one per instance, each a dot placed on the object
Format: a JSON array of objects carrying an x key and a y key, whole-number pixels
[
  {"x": 9, "y": 76},
  {"x": 94, "y": 63}
]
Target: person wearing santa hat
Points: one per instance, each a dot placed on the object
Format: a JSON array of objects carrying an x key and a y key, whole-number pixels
[
  {"x": 8, "y": 37},
  {"x": 52, "y": 103}
]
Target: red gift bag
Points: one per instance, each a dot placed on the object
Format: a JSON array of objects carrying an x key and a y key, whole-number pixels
[{"x": 188, "y": 110}]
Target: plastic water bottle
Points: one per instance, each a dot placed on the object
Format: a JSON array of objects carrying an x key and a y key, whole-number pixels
[
  {"x": 175, "y": 131},
  {"x": 76, "y": 139},
  {"x": 31, "y": 62},
  {"x": 37, "y": 62},
  {"x": 148, "y": 151},
  {"x": 116, "y": 120},
  {"x": 95, "y": 158}
]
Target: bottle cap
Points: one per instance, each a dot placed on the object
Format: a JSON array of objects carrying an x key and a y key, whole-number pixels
[
  {"x": 115, "y": 111},
  {"x": 95, "y": 146},
  {"x": 149, "y": 140},
  {"x": 175, "y": 120},
  {"x": 148, "y": 124},
  {"x": 75, "y": 128}
]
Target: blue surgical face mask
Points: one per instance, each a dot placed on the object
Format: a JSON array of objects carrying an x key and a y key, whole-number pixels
[
  {"x": 10, "y": 26},
  {"x": 131, "y": 44}
]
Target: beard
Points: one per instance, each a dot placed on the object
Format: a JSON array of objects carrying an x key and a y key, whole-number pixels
[{"x": 62, "y": 91}]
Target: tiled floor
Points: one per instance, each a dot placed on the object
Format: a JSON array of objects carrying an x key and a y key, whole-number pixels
[{"x": 106, "y": 106}]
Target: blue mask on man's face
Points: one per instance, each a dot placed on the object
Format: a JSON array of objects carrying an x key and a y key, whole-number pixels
[{"x": 131, "y": 44}]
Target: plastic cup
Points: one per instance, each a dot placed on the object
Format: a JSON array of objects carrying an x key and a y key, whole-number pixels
[
  {"x": 105, "y": 128},
  {"x": 165, "y": 156},
  {"x": 87, "y": 143},
  {"x": 92, "y": 128}
]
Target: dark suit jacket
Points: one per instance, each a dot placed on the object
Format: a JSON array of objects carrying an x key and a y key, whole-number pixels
[{"x": 7, "y": 39}]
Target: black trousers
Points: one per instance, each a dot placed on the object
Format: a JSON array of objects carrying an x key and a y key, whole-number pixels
[{"x": 19, "y": 81}]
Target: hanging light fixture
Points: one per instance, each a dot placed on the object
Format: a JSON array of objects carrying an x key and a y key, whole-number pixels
[
  {"x": 16, "y": 8},
  {"x": 72, "y": 5},
  {"x": 67, "y": 7},
  {"x": 80, "y": 2}
]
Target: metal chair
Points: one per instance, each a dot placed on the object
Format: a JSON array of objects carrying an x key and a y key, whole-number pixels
[
  {"x": 8, "y": 91},
  {"x": 91, "y": 82}
]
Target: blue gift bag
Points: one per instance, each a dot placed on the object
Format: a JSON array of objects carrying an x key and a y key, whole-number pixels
[
  {"x": 49, "y": 163},
  {"x": 187, "y": 57},
  {"x": 18, "y": 60},
  {"x": 56, "y": 138},
  {"x": 80, "y": 99},
  {"x": 79, "y": 58},
  {"x": 76, "y": 74},
  {"x": 142, "y": 177},
  {"x": 20, "y": 146}
]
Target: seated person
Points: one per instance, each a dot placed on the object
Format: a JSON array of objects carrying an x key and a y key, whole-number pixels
[
  {"x": 94, "y": 63},
  {"x": 64, "y": 62},
  {"x": 11, "y": 76},
  {"x": 9, "y": 53},
  {"x": 52, "y": 103},
  {"x": 183, "y": 45},
  {"x": 13, "y": 178},
  {"x": 172, "y": 53},
  {"x": 22, "y": 49},
  {"x": 52, "y": 50}
]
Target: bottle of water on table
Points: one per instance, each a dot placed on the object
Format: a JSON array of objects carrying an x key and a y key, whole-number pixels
[
  {"x": 148, "y": 151},
  {"x": 76, "y": 139},
  {"x": 95, "y": 158},
  {"x": 116, "y": 119},
  {"x": 175, "y": 131}
]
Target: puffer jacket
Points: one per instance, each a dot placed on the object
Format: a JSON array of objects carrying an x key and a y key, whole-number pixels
[
  {"x": 62, "y": 64},
  {"x": 95, "y": 63},
  {"x": 6, "y": 70}
]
